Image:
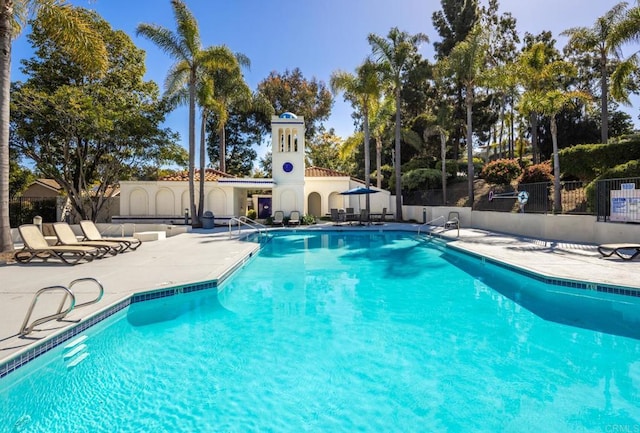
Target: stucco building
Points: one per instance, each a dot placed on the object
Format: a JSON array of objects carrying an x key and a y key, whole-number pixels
[{"x": 293, "y": 187}]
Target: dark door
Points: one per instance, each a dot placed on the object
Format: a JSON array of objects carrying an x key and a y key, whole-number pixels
[{"x": 264, "y": 207}]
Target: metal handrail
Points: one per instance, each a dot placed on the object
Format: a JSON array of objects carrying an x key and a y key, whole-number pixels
[
  {"x": 25, "y": 330},
  {"x": 255, "y": 223},
  {"x": 84, "y": 304},
  {"x": 255, "y": 226},
  {"x": 441, "y": 217}
]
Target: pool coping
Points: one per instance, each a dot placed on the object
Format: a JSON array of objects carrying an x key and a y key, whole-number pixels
[{"x": 29, "y": 353}]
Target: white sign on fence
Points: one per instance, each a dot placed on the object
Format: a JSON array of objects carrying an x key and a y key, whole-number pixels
[{"x": 625, "y": 205}]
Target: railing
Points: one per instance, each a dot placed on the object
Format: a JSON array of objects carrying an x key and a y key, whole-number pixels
[
  {"x": 23, "y": 209},
  {"x": 27, "y": 328},
  {"x": 248, "y": 222},
  {"x": 430, "y": 223}
]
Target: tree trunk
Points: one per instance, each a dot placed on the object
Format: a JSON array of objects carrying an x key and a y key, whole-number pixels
[
  {"x": 557, "y": 195},
  {"x": 202, "y": 165},
  {"x": 6, "y": 13},
  {"x": 470, "y": 174},
  {"x": 223, "y": 149},
  {"x": 604, "y": 99},
  {"x": 534, "y": 136},
  {"x": 443, "y": 154},
  {"x": 378, "y": 162},
  {"x": 367, "y": 158},
  {"x": 192, "y": 149},
  {"x": 398, "y": 159}
]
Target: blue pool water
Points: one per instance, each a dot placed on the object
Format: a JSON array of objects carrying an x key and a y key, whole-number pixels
[{"x": 367, "y": 332}]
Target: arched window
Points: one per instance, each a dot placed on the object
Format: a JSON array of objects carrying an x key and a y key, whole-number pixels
[
  {"x": 288, "y": 140},
  {"x": 295, "y": 140},
  {"x": 280, "y": 140}
]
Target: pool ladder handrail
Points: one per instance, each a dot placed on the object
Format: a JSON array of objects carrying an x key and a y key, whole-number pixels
[
  {"x": 26, "y": 329},
  {"x": 243, "y": 220},
  {"x": 441, "y": 217}
]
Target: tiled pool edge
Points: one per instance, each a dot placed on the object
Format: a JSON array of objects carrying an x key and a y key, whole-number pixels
[
  {"x": 27, "y": 355},
  {"x": 555, "y": 281}
]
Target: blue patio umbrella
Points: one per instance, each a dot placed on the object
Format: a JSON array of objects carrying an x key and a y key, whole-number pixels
[{"x": 360, "y": 190}]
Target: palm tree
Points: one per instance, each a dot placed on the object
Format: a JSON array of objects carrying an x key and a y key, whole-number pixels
[
  {"x": 67, "y": 28},
  {"x": 465, "y": 62},
  {"x": 363, "y": 90},
  {"x": 185, "y": 47},
  {"x": 549, "y": 97},
  {"x": 396, "y": 54},
  {"x": 599, "y": 40},
  {"x": 627, "y": 30}
]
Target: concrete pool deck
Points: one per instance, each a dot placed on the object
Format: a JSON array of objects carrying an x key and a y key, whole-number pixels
[{"x": 208, "y": 255}]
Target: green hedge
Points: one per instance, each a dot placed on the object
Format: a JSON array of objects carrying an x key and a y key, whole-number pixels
[
  {"x": 422, "y": 178},
  {"x": 589, "y": 161},
  {"x": 628, "y": 169}
]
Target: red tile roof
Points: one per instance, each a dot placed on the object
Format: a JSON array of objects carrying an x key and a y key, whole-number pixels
[
  {"x": 323, "y": 172},
  {"x": 210, "y": 175}
]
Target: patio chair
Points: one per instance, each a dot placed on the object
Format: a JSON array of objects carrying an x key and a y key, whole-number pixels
[
  {"x": 66, "y": 236},
  {"x": 453, "y": 221},
  {"x": 91, "y": 233},
  {"x": 381, "y": 218},
  {"x": 624, "y": 251},
  {"x": 364, "y": 217},
  {"x": 335, "y": 216},
  {"x": 37, "y": 247},
  {"x": 278, "y": 218},
  {"x": 294, "y": 217}
]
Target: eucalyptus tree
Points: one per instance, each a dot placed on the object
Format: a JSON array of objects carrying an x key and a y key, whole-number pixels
[
  {"x": 466, "y": 63},
  {"x": 396, "y": 54},
  {"x": 626, "y": 31},
  {"x": 185, "y": 47},
  {"x": 69, "y": 30},
  {"x": 598, "y": 40},
  {"x": 363, "y": 90}
]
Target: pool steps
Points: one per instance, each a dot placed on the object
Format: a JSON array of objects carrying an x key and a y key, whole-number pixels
[{"x": 75, "y": 352}]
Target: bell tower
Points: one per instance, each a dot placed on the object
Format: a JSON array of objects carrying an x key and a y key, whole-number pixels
[{"x": 287, "y": 163}]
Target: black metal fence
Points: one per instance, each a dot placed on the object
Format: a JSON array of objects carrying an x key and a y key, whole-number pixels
[
  {"x": 23, "y": 209},
  {"x": 618, "y": 199},
  {"x": 505, "y": 198}
]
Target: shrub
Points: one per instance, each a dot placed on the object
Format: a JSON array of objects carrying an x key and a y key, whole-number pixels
[
  {"x": 629, "y": 169},
  {"x": 451, "y": 167},
  {"x": 537, "y": 173},
  {"x": 422, "y": 178},
  {"x": 588, "y": 161},
  {"x": 501, "y": 171},
  {"x": 251, "y": 213},
  {"x": 308, "y": 220}
]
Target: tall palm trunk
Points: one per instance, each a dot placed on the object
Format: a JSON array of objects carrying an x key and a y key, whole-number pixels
[
  {"x": 378, "y": 162},
  {"x": 470, "y": 174},
  {"x": 443, "y": 154},
  {"x": 604, "y": 106},
  {"x": 6, "y": 12},
  {"x": 398, "y": 159},
  {"x": 367, "y": 156},
  {"x": 534, "y": 137},
  {"x": 223, "y": 149},
  {"x": 192, "y": 149},
  {"x": 557, "y": 196},
  {"x": 202, "y": 164}
]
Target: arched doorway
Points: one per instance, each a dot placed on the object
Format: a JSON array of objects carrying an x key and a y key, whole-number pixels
[{"x": 314, "y": 204}]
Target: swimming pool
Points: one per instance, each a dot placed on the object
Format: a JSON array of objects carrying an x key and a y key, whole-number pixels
[{"x": 347, "y": 331}]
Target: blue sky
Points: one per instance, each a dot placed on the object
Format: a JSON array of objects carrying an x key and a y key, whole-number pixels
[{"x": 317, "y": 36}]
